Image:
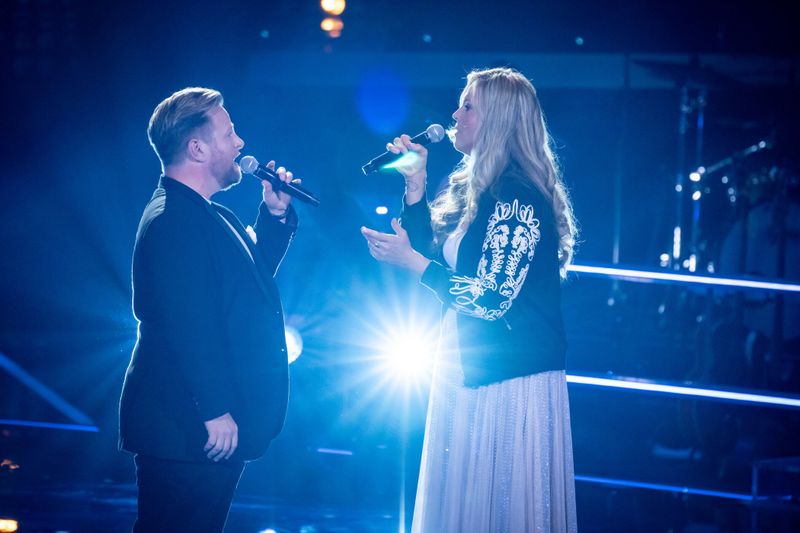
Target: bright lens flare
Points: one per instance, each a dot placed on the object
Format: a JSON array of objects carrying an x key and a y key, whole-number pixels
[
  {"x": 294, "y": 343},
  {"x": 333, "y": 7},
  {"x": 409, "y": 355},
  {"x": 7, "y": 524},
  {"x": 332, "y": 25},
  {"x": 409, "y": 158}
]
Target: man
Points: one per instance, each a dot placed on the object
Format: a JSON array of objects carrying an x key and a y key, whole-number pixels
[{"x": 207, "y": 385}]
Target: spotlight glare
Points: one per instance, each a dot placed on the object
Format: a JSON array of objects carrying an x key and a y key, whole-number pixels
[
  {"x": 694, "y": 176},
  {"x": 409, "y": 354},
  {"x": 333, "y": 26},
  {"x": 381, "y": 210},
  {"x": 294, "y": 344},
  {"x": 8, "y": 525},
  {"x": 333, "y": 7},
  {"x": 407, "y": 159}
]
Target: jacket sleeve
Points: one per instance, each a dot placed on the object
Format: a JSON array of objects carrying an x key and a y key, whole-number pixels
[
  {"x": 512, "y": 232},
  {"x": 273, "y": 236},
  {"x": 416, "y": 220},
  {"x": 175, "y": 290}
]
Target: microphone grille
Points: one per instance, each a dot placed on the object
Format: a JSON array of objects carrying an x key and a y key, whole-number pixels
[
  {"x": 248, "y": 164},
  {"x": 435, "y": 132}
]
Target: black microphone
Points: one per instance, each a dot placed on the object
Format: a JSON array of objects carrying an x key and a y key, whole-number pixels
[
  {"x": 433, "y": 134},
  {"x": 250, "y": 165}
]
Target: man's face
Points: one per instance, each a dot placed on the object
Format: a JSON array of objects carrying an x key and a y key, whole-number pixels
[{"x": 225, "y": 148}]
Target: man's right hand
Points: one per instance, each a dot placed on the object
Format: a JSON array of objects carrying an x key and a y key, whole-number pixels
[{"x": 223, "y": 437}]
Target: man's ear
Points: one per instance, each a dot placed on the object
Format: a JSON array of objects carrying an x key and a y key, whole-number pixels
[{"x": 197, "y": 150}]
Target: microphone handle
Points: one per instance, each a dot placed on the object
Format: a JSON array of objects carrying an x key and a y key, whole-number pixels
[
  {"x": 387, "y": 156},
  {"x": 293, "y": 189}
]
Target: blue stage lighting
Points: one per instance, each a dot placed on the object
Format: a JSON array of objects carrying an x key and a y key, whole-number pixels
[
  {"x": 48, "y": 425},
  {"x": 665, "y": 488},
  {"x": 294, "y": 343},
  {"x": 409, "y": 354},
  {"x": 643, "y": 275},
  {"x": 407, "y": 159},
  {"x": 683, "y": 390},
  {"x": 332, "y": 451},
  {"x": 383, "y": 101}
]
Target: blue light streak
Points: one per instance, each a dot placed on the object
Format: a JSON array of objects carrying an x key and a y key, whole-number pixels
[
  {"x": 45, "y": 392},
  {"x": 47, "y": 425},
  {"x": 665, "y": 488},
  {"x": 682, "y": 390},
  {"x": 333, "y": 451},
  {"x": 644, "y": 275}
]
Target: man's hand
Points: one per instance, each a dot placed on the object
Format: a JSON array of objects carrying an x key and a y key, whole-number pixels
[
  {"x": 277, "y": 201},
  {"x": 223, "y": 437}
]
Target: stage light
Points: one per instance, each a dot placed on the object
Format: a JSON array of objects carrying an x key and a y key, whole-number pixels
[
  {"x": 8, "y": 525},
  {"x": 333, "y": 451},
  {"x": 696, "y": 195},
  {"x": 409, "y": 354},
  {"x": 662, "y": 487},
  {"x": 381, "y": 210},
  {"x": 647, "y": 276},
  {"x": 644, "y": 385},
  {"x": 676, "y": 242},
  {"x": 694, "y": 176},
  {"x": 333, "y": 26},
  {"x": 294, "y": 343},
  {"x": 47, "y": 425},
  {"x": 333, "y": 7},
  {"x": 8, "y": 464},
  {"x": 376, "y": 87}
]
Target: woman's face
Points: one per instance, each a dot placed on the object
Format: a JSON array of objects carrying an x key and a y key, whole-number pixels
[{"x": 467, "y": 123}]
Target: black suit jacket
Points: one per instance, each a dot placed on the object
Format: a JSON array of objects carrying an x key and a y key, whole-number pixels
[{"x": 211, "y": 333}]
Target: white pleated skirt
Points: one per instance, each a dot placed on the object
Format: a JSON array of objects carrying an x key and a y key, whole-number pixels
[{"x": 497, "y": 458}]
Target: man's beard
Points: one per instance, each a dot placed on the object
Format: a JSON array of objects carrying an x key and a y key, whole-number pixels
[
  {"x": 227, "y": 176},
  {"x": 231, "y": 177}
]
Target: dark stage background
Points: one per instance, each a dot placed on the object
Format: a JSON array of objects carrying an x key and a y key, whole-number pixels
[{"x": 80, "y": 80}]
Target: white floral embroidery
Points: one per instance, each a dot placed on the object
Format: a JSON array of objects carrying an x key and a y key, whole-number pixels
[
  {"x": 511, "y": 237},
  {"x": 252, "y": 234}
]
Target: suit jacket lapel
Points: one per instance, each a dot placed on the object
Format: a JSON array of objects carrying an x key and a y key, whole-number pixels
[{"x": 218, "y": 211}]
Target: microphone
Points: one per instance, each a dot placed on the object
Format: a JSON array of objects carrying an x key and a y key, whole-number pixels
[
  {"x": 433, "y": 134},
  {"x": 250, "y": 165}
]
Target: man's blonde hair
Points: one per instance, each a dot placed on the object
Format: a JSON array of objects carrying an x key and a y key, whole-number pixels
[{"x": 177, "y": 118}]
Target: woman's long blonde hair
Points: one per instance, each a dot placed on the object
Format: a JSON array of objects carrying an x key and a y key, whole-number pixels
[{"x": 512, "y": 131}]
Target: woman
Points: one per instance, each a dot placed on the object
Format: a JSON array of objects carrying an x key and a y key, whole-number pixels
[{"x": 493, "y": 247}]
